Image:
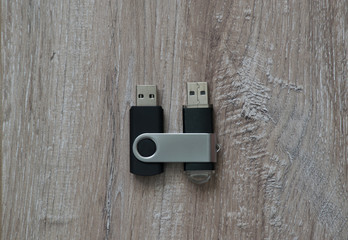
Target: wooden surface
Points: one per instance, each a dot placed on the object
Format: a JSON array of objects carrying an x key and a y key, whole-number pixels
[{"x": 277, "y": 73}]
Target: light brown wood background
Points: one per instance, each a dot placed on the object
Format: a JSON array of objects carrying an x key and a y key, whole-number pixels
[{"x": 277, "y": 73}]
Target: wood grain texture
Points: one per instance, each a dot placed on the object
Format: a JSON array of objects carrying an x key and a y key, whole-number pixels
[{"x": 277, "y": 72}]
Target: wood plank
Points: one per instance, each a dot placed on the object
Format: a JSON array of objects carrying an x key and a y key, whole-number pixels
[{"x": 277, "y": 73}]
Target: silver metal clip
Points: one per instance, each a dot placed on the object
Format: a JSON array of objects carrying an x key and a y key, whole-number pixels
[{"x": 179, "y": 147}]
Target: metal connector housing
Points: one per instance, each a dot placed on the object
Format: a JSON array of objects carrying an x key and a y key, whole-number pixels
[
  {"x": 146, "y": 95},
  {"x": 197, "y": 95}
]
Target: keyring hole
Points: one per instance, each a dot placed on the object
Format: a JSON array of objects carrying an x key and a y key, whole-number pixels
[{"x": 146, "y": 147}]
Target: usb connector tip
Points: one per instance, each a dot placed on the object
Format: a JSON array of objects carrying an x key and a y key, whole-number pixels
[
  {"x": 197, "y": 95},
  {"x": 146, "y": 95}
]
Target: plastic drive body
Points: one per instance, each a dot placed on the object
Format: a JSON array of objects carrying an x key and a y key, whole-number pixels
[
  {"x": 198, "y": 120},
  {"x": 145, "y": 119}
]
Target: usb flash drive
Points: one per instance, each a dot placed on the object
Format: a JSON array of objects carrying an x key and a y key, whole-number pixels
[
  {"x": 198, "y": 118},
  {"x": 145, "y": 117},
  {"x": 150, "y": 147}
]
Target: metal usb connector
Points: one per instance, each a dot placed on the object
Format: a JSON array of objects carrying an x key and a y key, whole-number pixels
[
  {"x": 146, "y": 95},
  {"x": 197, "y": 95}
]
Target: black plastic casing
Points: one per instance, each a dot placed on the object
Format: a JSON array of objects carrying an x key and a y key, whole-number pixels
[
  {"x": 144, "y": 119},
  {"x": 198, "y": 120}
]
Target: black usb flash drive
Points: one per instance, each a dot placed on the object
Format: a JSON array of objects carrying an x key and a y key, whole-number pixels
[
  {"x": 145, "y": 117},
  {"x": 198, "y": 118}
]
